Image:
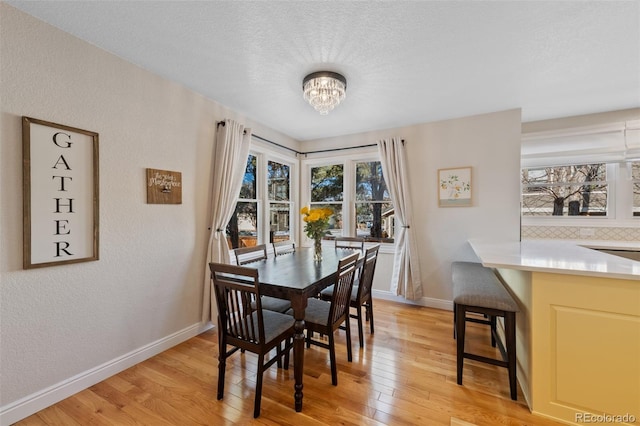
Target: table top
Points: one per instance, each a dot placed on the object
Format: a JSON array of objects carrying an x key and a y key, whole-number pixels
[
  {"x": 297, "y": 273},
  {"x": 559, "y": 257}
]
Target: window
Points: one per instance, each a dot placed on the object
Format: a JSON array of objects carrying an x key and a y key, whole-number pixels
[
  {"x": 574, "y": 190},
  {"x": 242, "y": 229},
  {"x": 327, "y": 191},
  {"x": 373, "y": 207},
  {"x": 279, "y": 186},
  {"x": 581, "y": 176},
  {"x": 355, "y": 190},
  {"x": 635, "y": 178},
  {"x": 264, "y": 209}
]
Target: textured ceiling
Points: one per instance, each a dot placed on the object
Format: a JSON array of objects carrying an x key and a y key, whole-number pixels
[{"x": 405, "y": 62}]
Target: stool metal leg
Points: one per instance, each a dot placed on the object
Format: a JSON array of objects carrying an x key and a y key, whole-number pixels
[
  {"x": 493, "y": 321},
  {"x": 454, "y": 320},
  {"x": 510, "y": 337},
  {"x": 460, "y": 314}
]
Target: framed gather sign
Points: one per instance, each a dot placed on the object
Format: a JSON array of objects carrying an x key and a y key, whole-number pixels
[
  {"x": 60, "y": 194},
  {"x": 454, "y": 187}
]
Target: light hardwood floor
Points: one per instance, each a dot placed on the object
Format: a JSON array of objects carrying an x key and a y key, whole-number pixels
[{"x": 405, "y": 375}]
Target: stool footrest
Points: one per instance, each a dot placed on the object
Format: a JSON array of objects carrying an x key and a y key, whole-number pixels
[
  {"x": 479, "y": 321},
  {"x": 488, "y": 360}
]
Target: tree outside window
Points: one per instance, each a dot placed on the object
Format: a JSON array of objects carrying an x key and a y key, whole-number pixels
[
  {"x": 373, "y": 207},
  {"x": 327, "y": 191},
  {"x": 573, "y": 190},
  {"x": 242, "y": 229}
]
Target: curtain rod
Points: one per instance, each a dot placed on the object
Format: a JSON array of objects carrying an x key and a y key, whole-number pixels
[
  {"x": 277, "y": 144},
  {"x": 221, "y": 123}
]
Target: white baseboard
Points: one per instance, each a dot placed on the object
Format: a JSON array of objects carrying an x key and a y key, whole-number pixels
[
  {"x": 429, "y": 302},
  {"x": 40, "y": 400}
]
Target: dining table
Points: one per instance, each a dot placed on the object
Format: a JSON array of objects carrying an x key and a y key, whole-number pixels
[{"x": 296, "y": 277}]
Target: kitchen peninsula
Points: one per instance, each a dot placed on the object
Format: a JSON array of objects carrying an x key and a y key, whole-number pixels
[{"x": 578, "y": 331}]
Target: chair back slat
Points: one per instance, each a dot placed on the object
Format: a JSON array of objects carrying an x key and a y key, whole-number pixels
[
  {"x": 366, "y": 278},
  {"x": 342, "y": 288},
  {"x": 246, "y": 255},
  {"x": 238, "y": 299},
  {"x": 240, "y": 322}
]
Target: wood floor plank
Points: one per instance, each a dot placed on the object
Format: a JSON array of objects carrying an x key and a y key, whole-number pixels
[
  {"x": 129, "y": 405},
  {"x": 404, "y": 375},
  {"x": 55, "y": 415}
]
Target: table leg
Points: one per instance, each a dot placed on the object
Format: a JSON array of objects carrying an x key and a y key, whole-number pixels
[{"x": 298, "y": 350}]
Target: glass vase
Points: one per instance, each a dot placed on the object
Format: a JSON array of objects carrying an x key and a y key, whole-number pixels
[{"x": 317, "y": 249}]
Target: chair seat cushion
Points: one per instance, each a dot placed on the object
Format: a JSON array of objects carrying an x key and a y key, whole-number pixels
[
  {"x": 317, "y": 311},
  {"x": 274, "y": 304},
  {"x": 275, "y": 324},
  {"x": 328, "y": 292}
]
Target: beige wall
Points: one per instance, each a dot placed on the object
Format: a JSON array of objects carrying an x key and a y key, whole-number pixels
[
  {"x": 490, "y": 144},
  {"x": 65, "y": 327},
  {"x": 70, "y": 325}
]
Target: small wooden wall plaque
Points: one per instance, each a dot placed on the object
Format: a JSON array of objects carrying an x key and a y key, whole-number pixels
[{"x": 164, "y": 187}]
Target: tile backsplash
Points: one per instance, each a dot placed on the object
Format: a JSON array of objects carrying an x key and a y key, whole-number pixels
[{"x": 581, "y": 233}]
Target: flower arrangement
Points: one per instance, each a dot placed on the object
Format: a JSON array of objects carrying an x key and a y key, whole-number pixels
[{"x": 317, "y": 223}]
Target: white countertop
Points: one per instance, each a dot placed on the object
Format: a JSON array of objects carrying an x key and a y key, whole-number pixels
[{"x": 562, "y": 257}]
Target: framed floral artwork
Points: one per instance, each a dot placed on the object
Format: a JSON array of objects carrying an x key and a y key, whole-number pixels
[{"x": 454, "y": 187}]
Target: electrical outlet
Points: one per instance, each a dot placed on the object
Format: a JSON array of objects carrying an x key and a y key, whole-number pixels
[{"x": 587, "y": 232}]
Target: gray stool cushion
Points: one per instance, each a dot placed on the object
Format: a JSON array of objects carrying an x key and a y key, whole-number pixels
[{"x": 475, "y": 285}]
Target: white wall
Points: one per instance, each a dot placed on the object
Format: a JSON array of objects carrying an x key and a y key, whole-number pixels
[
  {"x": 490, "y": 144},
  {"x": 65, "y": 327}
]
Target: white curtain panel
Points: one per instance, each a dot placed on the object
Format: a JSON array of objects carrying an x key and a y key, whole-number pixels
[
  {"x": 405, "y": 279},
  {"x": 229, "y": 162}
]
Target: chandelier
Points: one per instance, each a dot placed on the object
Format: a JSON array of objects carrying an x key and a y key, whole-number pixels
[{"x": 324, "y": 90}]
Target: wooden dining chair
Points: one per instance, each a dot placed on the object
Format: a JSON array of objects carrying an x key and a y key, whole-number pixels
[
  {"x": 361, "y": 291},
  {"x": 246, "y": 255},
  {"x": 243, "y": 324},
  {"x": 350, "y": 242},
  {"x": 326, "y": 317},
  {"x": 283, "y": 247}
]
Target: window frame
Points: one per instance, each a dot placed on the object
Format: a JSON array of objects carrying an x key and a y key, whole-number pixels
[
  {"x": 250, "y": 200},
  {"x": 607, "y": 183},
  {"x": 355, "y": 201},
  {"x": 268, "y": 201},
  {"x": 264, "y": 227},
  {"x": 629, "y": 177},
  {"x": 265, "y": 153},
  {"x": 349, "y": 162},
  {"x": 619, "y": 204}
]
